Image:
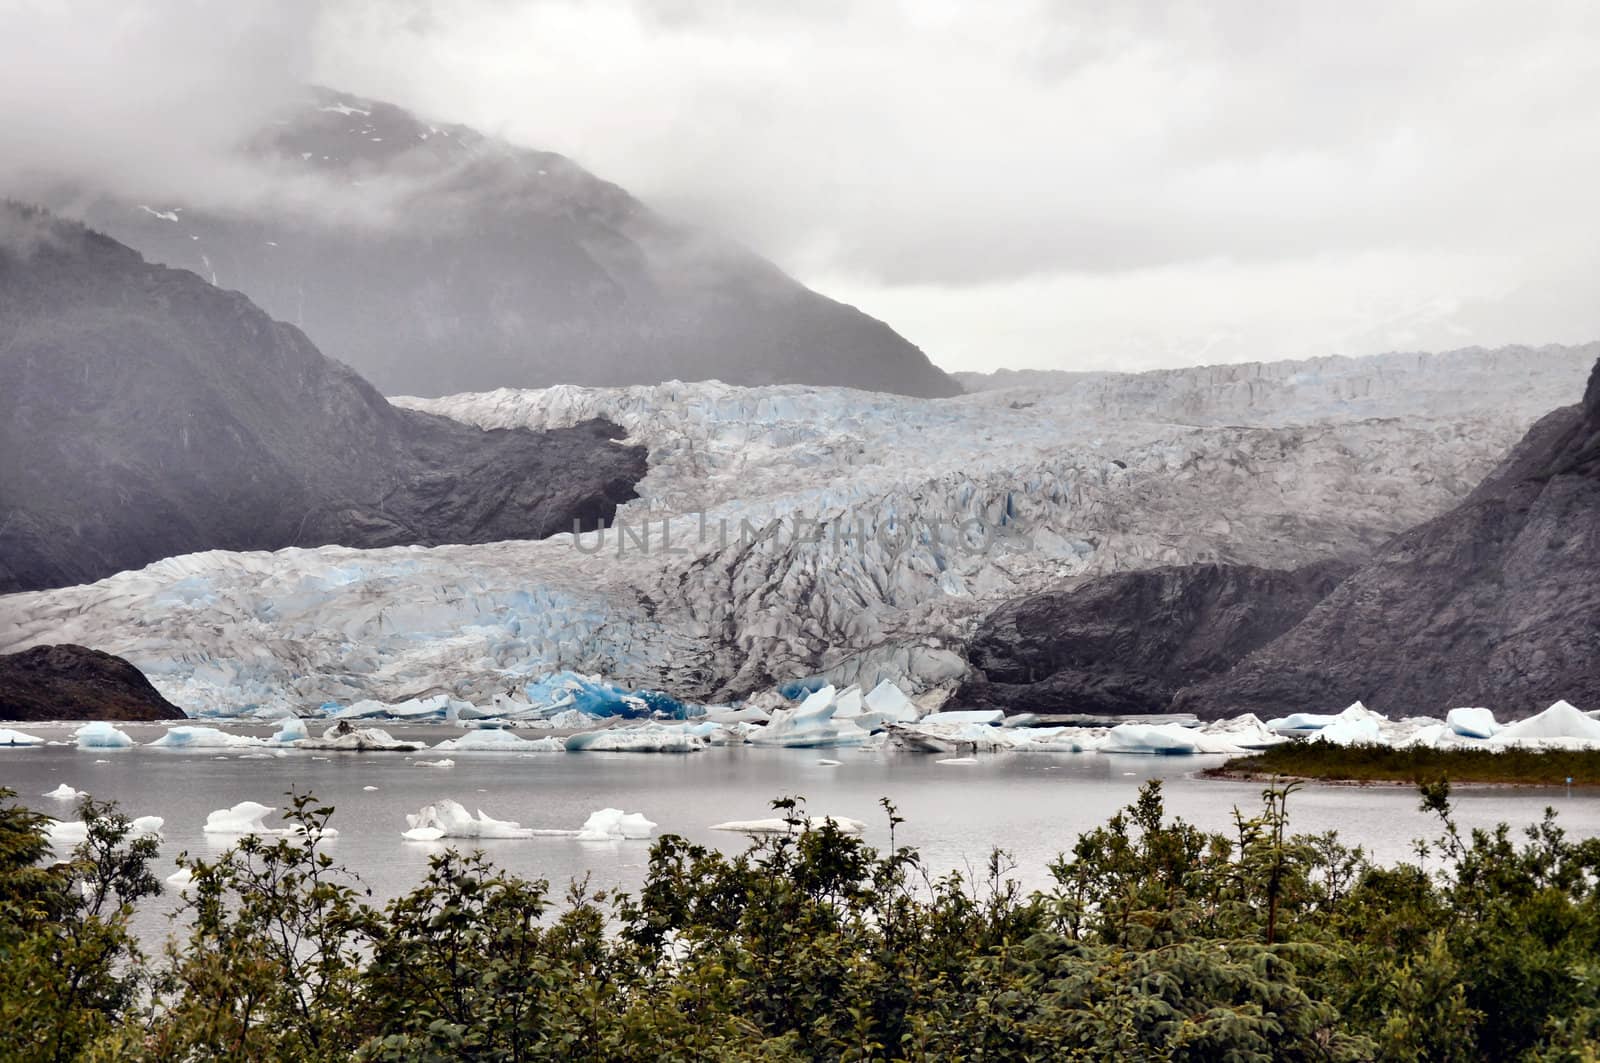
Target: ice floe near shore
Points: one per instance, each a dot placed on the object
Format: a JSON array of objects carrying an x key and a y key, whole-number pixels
[
  {"x": 450, "y": 819},
  {"x": 792, "y": 825},
  {"x": 8, "y": 737}
]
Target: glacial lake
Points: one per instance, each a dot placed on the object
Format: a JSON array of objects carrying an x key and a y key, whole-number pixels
[{"x": 1033, "y": 805}]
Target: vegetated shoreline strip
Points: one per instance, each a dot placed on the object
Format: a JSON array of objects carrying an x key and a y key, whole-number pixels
[{"x": 1370, "y": 763}]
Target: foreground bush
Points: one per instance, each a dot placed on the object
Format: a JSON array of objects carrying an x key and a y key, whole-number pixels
[{"x": 1157, "y": 941}]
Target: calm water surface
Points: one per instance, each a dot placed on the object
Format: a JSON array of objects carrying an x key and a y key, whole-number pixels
[{"x": 1033, "y": 805}]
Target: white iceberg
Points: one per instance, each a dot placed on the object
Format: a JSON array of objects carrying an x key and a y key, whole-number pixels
[
  {"x": 810, "y": 725},
  {"x": 185, "y": 737},
  {"x": 442, "y": 762},
  {"x": 493, "y": 741},
  {"x": 1472, "y": 723},
  {"x": 890, "y": 704},
  {"x": 613, "y": 824},
  {"x": 1165, "y": 739},
  {"x": 247, "y": 817},
  {"x": 989, "y": 717},
  {"x": 342, "y": 736},
  {"x": 181, "y": 879},
  {"x": 1246, "y": 731},
  {"x": 291, "y": 730},
  {"x": 450, "y": 819},
  {"x": 650, "y": 737},
  {"x": 65, "y": 793},
  {"x": 64, "y": 835},
  {"x": 101, "y": 735},
  {"x": 778, "y": 825},
  {"x": 8, "y": 737},
  {"x": 958, "y": 760},
  {"x": 1561, "y": 725}
]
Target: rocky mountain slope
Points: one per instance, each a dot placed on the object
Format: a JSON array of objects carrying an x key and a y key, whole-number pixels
[
  {"x": 931, "y": 514},
  {"x": 146, "y": 413},
  {"x": 1128, "y": 642},
  {"x": 77, "y": 683},
  {"x": 435, "y": 259},
  {"x": 1496, "y": 602}
]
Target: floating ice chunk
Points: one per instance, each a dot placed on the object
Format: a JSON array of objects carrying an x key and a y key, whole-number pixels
[
  {"x": 747, "y": 714},
  {"x": 843, "y": 824},
  {"x": 181, "y": 879},
  {"x": 826, "y": 763},
  {"x": 449, "y": 819},
  {"x": 369, "y": 789},
  {"x": 101, "y": 735},
  {"x": 613, "y": 824},
  {"x": 992, "y": 717},
  {"x": 65, "y": 793},
  {"x": 246, "y": 818},
  {"x": 1246, "y": 731},
  {"x": 243, "y": 818},
  {"x": 642, "y": 738},
  {"x": 342, "y": 736},
  {"x": 491, "y": 741},
  {"x": 847, "y": 703},
  {"x": 291, "y": 730},
  {"x": 1164, "y": 739},
  {"x": 8, "y": 737},
  {"x": 1313, "y": 721},
  {"x": 890, "y": 704},
  {"x": 63, "y": 835},
  {"x": 146, "y": 826},
  {"x": 1350, "y": 730},
  {"x": 203, "y": 738},
  {"x": 442, "y": 762},
  {"x": 1559, "y": 725},
  {"x": 958, "y": 760},
  {"x": 1059, "y": 739},
  {"x": 810, "y": 725},
  {"x": 1472, "y": 723}
]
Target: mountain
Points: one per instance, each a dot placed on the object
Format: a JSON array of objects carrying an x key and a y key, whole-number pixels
[
  {"x": 1494, "y": 603},
  {"x": 435, "y": 259},
  {"x": 147, "y": 413},
  {"x": 76, "y": 683},
  {"x": 1128, "y": 642}
]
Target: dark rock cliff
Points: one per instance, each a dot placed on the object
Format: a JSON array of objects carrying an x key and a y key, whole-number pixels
[
  {"x": 145, "y": 413},
  {"x": 1128, "y": 642},
  {"x": 69, "y": 682}
]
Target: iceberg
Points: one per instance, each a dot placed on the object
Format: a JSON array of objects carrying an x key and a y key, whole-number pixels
[
  {"x": 181, "y": 879},
  {"x": 442, "y": 762},
  {"x": 64, "y": 835},
  {"x": 65, "y": 793},
  {"x": 988, "y": 717},
  {"x": 613, "y": 824},
  {"x": 1247, "y": 732},
  {"x": 290, "y": 731},
  {"x": 101, "y": 735},
  {"x": 778, "y": 825},
  {"x": 450, "y": 819},
  {"x": 495, "y": 741},
  {"x": 1561, "y": 725},
  {"x": 247, "y": 817},
  {"x": 1164, "y": 739},
  {"x": 958, "y": 760},
  {"x": 810, "y": 725},
  {"x": 890, "y": 704},
  {"x": 342, "y": 736},
  {"x": 184, "y": 737},
  {"x": 642, "y": 738},
  {"x": 8, "y": 737},
  {"x": 1472, "y": 723}
]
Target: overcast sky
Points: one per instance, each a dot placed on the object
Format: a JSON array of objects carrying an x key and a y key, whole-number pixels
[{"x": 1050, "y": 185}]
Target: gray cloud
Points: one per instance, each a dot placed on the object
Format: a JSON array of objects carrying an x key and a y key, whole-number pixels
[{"x": 1039, "y": 184}]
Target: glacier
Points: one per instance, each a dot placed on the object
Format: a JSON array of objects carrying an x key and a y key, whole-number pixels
[{"x": 814, "y": 536}]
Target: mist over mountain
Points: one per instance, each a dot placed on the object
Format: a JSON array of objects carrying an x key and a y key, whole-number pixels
[
  {"x": 434, "y": 259},
  {"x": 146, "y": 413}
]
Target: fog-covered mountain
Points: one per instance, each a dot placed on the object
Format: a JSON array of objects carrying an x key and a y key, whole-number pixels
[
  {"x": 931, "y": 514},
  {"x": 146, "y": 413},
  {"x": 434, "y": 259}
]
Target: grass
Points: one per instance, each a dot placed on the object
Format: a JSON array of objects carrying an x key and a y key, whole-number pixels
[{"x": 1376, "y": 763}]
